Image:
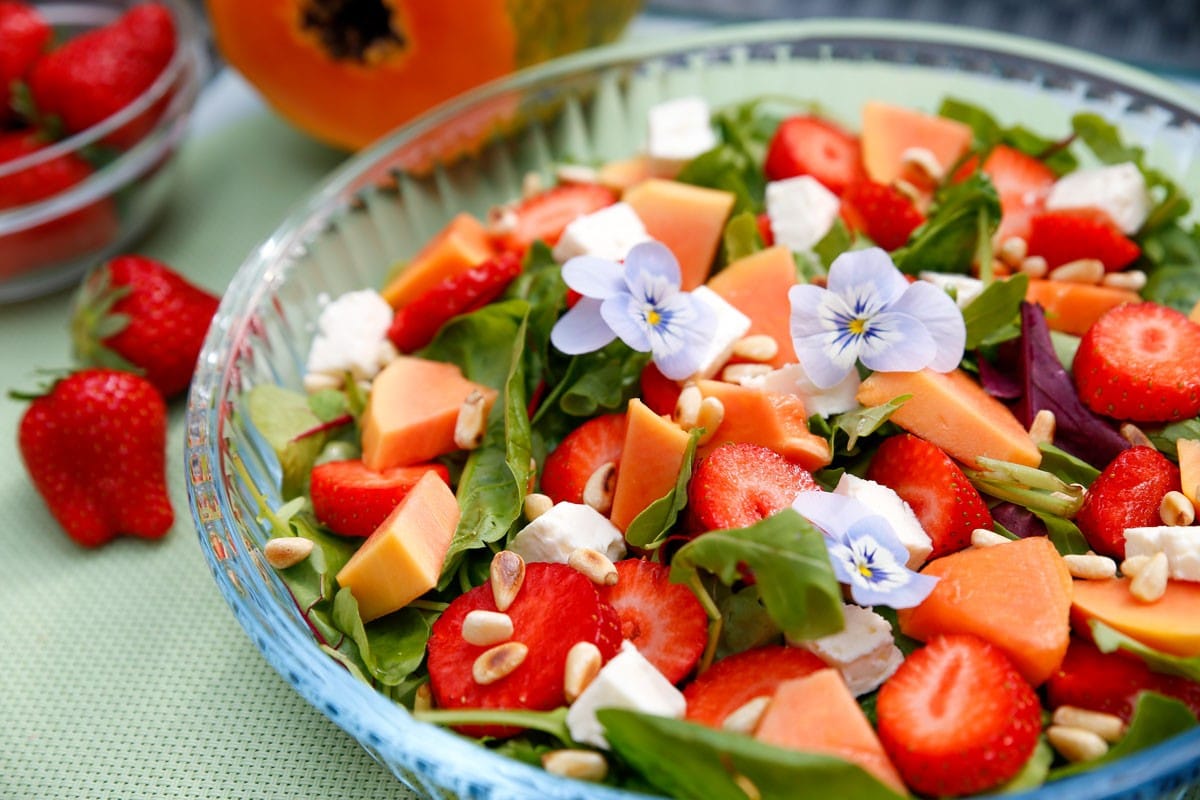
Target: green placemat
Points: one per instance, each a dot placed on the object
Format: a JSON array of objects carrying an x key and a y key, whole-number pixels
[{"x": 123, "y": 673}]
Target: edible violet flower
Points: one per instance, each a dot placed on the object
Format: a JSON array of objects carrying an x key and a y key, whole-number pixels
[
  {"x": 870, "y": 312},
  {"x": 864, "y": 550},
  {"x": 639, "y": 301}
]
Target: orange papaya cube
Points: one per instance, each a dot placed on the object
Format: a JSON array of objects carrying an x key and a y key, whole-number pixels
[
  {"x": 650, "y": 462},
  {"x": 403, "y": 558},
  {"x": 412, "y": 410},
  {"x": 1015, "y": 595},
  {"x": 757, "y": 285},
  {"x": 689, "y": 220},
  {"x": 1189, "y": 468},
  {"x": 625, "y": 173},
  {"x": 1170, "y": 624},
  {"x": 774, "y": 420},
  {"x": 818, "y": 714},
  {"x": 954, "y": 412},
  {"x": 1073, "y": 307},
  {"x": 888, "y": 131},
  {"x": 458, "y": 247}
]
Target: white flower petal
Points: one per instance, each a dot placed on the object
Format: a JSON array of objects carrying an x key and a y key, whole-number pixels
[
  {"x": 830, "y": 512},
  {"x": 653, "y": 258},
  {"x": 582, "y": 329},
  {"x": 826, "y": 361},
  {"x": 624, "y": 315},
  {"x": 943, "y": 319},
  {"x": 866, "y": 280},
  {"x": 594, "y": 277},
  {"x": 808, "y": 310},
  {"x": 897, "y": 343}
]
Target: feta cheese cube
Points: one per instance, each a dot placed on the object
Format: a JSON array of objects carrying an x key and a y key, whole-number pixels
[
  {"x": 731, "y": 325},
  {"x": 864, "y": 651},
  {"x": 965, "y": 288},
  {"x": 1181, "y": 543},
  {"x": 562, "y": 530},
  {"x": 627, "y": 681},
  {"x": 609, "y": 233},
  {"x": 677, "y": 131},
  {"x": 1119, "y": 190},
  {"x": 792, "y": 379},
  {"x": 352, "y": 337},
  {"x": 889, "y": 505},
  {"x": 801, "y": 211}
]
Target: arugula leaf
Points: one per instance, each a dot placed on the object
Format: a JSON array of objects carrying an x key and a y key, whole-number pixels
[
  {"x": 791, "y": 569},
  {"x": 280, "y": 416},
  {"x": 592, "y": 382},
  {"x": 992, "y": 317},
  {"x": 391, "y": 647},
  {"x": 1175, "y": 285},
  {"x": 961, "y": 222},
  {"x": 862, "y": 421},
  {"x": 741, "y": 237},
  {"x": 1108, "y": 639},
  {"x": 988, "y": 133},
  {"x": 704, "y": 762},
  {"x": 729, "y": 168},
  {"x": 650, "y": 526},
  {"x": 985, "y": 130},
  {"x": 1156, "y": 718}
]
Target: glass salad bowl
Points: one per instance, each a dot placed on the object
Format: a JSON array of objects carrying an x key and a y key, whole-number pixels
[{"x": 472, "y": 153}]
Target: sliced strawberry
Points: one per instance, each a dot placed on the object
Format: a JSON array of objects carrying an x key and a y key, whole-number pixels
[
  {"x": 806, "y": 145},
  {"x": 545, "y": 216},
  {"x": 763, "y": 223},
  {"x": 1023, "y": 182},
  {"x": 1127, "y": 494},
  {"x": 737, "y": 679},
  {"x": 659, "y": 392},
  {"x": 417, "y": 322},
  {"x": 555, "y": 608},
  {"x": 883, "y": 213},
  {"x": 738, "y": 484},
  {"x": 353, "y": 500},
  {"x": 593, "y": 444},
  {"x": 957, "y": 717},
  {"x": 945, "y": 502},
  {"x": 1110, "y": 682},
  {"x": 664, "y": 620},
  {"x": 1138, "y": 362},
  {"x": 1064, "y": 236}
]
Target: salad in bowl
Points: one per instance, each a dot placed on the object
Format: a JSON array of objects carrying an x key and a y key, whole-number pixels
[{"x": 793, "y": 452}]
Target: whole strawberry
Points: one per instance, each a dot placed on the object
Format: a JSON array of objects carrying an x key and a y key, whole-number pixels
[
  {"x": 95, "y": 447},
  {"x": 96, "y": 74},
  {"x": 24, "y": 34},
  {"x": 137, "y": 314}
]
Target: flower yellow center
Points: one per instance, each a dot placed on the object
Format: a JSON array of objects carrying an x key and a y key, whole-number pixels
[
  {"x": 858, "y": 326},
  {"x": 865, "y": 570},
  {"x": 653, "y": 317}
]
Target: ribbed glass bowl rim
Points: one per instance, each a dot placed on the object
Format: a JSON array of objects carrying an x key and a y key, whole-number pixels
[{"x": 386, "y": 730}]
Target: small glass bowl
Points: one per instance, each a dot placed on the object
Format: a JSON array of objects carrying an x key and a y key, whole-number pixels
[
  {"x": 47, "y": 245},
  {"x": 472, "y": 153}
]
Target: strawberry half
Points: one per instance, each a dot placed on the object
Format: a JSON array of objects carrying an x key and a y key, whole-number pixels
[
  {"x": 1138, "y": 362},
  {"x": 544, "y": 216},
  {"x": 664, "y": 620},
  {"x": 1110, "y": 682},
  {"x": 806, "y": 145},
  {"x": 957, "y": 717},
  {"x": 735, "y": 680},
  {"x": 24, "y": 34},
  {"x": 593, "y": 444},
  {"x": 351, "y": 499},
  {"x": 659, "y": 392},
  {"x": 1126, "y": 494},
  {"x": 1023, "y": 182},
  {"x": 883, "y": 213},
  {"x": 945, "y": 502},
  {"x": 739, "y": 484},
  {"x": 555, "y": 608},
  {"x": 1064, "y": 236},
  {"x": 417, "y": 322}
]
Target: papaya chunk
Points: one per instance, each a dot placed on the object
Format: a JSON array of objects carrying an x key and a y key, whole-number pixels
[
  {"x": 1189, "y": 468},
  {"x": 774, "y": 420},
  {"x": 1073, "y": 307},
  {"x": 889, "y": 130},
  {"x": 650, "y": 462},
  {"x": 689, "y": 220},
  {"x": 757, "y": 285},
  {"x": 461, "y": 245},
  {"x": 1170, "y": 624}
]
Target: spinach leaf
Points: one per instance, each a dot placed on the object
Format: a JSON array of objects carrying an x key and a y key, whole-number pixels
[
  {"x": 1034, "y": 773},
  {"x": 741, "y": 237},
  {"x": 650, "y": 527},
  {"x": 1063, "y": 534},
  {"x": 294, "y": 432},
  {"x": 745, "y": 622},
  {"x": 1067, "y": 466},
  {"x": 958, "y": 228},
  {"x": 704, "y": 764},
  {"x": 1109, "y": 639},
  {"x": 391, "y": 647},
  {"x": 861, "y": 422},
  {"x": 1155, "y": 719},
  {"x": 993, "y": 316},
  {"x": 729, "y": 168},
  {"x": 1165, "y": 438},
  {"x": 791, "y": 569},
  {"x": 986, "y": 131}
]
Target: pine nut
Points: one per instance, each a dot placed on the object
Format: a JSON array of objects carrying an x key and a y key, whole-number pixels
[
  {"x": 1134, "y": 564},
  {"x": 483, "y": 628},
  {"x": 471, "y": 422},
  {"x": 1043, "y": 427},
  {"x": 582, "y": 765},
  {"x": 740, "y": 373},
  {"x": 1076, "y": 744},
  {"x": 1132, "y": 279},
  {"x": 1135, "y": 435},
  {"x": 923, "y": 161},
  {"x": 498, "y": 662},
  {"x": 687, "y": 407},
  {"x": 1013, "y": 251},
  {"x": 712, "y": 414},
  {"x": 1035, "y": 266},
  {"x": 1108, "y": 727},
  {"x": 745, "y": 718},
  {"x": 287, "y": 551},
  {"x": 598, "y": 491},
  {"x": 536, "y": 504},
  {"x": 502, "y": 220},
  {"x": 1090, "y": 567},
  {"x": 1150, "y": 583},
  {"x": 1175, "y": 509},
  {"x": 908, "y": 189},
  {"x": 507, "y": 573},
  {"x": 583, "y": 664},
  {"x": 423, "y": 698},
  {"x": 756, "y": 347},
  {"x": 982, "y": 537},
  {"x": 531, "y": 184},
  {"x": 320, "y": 381},
  {"x": 1081, "y": 270},
  {"x": 747, "y": 786},
  {"x": 594, "y": 565},
  {"x": 576, "y": 173}
]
